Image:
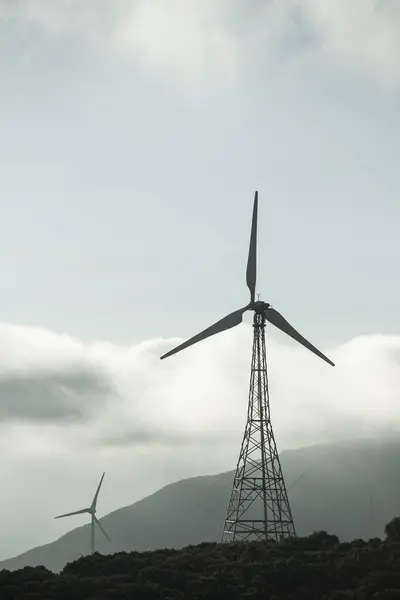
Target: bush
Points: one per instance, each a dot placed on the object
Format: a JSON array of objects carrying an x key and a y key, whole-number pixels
[
  {"x": 314, "y": 567},
  {"x": 392, "y": 530}
]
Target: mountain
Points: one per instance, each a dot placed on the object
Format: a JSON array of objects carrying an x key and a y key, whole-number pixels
[{"x": 350, "y": 489}]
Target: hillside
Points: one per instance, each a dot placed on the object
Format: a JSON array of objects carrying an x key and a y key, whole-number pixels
[
  {"x": 310, "y": 568},
  {"x": 350, "y": 489}
]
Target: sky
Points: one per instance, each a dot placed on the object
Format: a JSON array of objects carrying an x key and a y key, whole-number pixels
[{"x": 133, "y": 136}]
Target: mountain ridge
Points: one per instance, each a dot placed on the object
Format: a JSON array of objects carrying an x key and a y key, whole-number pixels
[{"x": 332, "y": 496}]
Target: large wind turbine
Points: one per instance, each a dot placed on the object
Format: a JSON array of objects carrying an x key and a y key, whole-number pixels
[
  {"x": 258, "y": 507},
  {"x": 92, "y": 511}
]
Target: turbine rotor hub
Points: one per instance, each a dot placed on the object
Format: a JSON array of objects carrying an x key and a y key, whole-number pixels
[{"x": 259, "y": 306}]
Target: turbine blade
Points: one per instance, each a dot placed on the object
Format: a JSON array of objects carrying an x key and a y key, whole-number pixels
[
  {"x": 101, "y": 527},
  {"x": 251, "y": 272},
  {"x": 274, "y": 317},
  {"x": 227, "y": 322},
  {"x": 93, "y": 506},
  {"x": 295, "y": 482},
  {"x": 77, "y": 512}
]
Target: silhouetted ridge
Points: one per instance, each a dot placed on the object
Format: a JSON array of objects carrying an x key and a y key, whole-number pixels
[{"x": 316, "y": 567}]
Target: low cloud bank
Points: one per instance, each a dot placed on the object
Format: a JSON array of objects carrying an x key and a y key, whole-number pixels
[{"x": 100, "y": 393}]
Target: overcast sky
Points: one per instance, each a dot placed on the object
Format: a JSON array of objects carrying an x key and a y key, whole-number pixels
[{"x": 132, "y": 137}]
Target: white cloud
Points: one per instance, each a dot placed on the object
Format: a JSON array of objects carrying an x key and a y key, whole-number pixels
[
  {"x": 362, "y": 33},
  {"x": 199, "y": 392},
  {"x": 218, "y": 40},
  {"x": 189, "y": 38}
]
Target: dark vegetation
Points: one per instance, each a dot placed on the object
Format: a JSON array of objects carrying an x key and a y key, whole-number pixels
[{"x": 316, "y": 567}]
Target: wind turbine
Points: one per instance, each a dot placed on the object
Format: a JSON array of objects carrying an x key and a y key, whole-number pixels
[
  {"x": 258, "y": 481},
  {"x": 296, "y": 481},
  {"x": 92, "y": 511}
]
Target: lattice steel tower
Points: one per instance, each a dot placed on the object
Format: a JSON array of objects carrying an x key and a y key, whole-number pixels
[{"x": 258, "y": 507}]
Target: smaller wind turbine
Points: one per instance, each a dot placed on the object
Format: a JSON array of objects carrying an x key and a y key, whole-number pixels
[
  {"x": 296, "y": 481},
  {"x": 92, "y": 511}
]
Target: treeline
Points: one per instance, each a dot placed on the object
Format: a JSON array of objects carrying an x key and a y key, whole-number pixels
[{"x": 317, "y": 567}]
